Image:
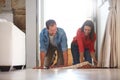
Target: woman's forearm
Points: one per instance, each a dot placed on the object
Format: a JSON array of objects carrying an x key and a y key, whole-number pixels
[
  {"x": 93, "y": 56},
  {"x": 81, "y": 57}
]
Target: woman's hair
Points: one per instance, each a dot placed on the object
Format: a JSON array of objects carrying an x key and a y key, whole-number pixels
[{"x": 90, "y": 24}]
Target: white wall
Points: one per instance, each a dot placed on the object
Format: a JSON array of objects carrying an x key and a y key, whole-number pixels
[
  {"x": 7, "y": 5},
  {"x": 69, "y": 17},
  {"x": 6, "y": 12},
  {"x": 102, "y": 15},
  {"x": 31, "y": 33}
]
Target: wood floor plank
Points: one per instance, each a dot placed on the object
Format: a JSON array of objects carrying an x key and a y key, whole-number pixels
[{"x": 61, "y": 74}]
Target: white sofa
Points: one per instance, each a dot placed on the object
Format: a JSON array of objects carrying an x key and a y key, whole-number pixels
[{"x": 12, "y": 45}]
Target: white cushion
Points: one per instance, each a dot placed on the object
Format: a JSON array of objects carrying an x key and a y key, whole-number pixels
[{"x": 12, "y": 45}]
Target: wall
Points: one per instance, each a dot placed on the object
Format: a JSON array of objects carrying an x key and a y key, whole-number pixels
[
  {"x": 6, "y": 11},
  {"x": 7, "y": 4},
  {"x": 31, "y": 49},
  {"x": 14, "y": 11},
  {"x": 31, "y": 33},
  {"x": 18, "y": 8},
  {"x": 102, "y": 14}
]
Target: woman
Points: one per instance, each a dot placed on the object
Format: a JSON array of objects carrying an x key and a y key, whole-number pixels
[{"x": 82, "y": 46}]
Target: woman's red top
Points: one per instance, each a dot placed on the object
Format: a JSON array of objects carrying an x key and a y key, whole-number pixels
[{"x": 84, "y": 41}]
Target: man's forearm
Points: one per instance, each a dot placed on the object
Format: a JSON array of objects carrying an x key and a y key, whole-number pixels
[
  {"x": 42, "y": 57},
  {"x": 65, "y": 56}
]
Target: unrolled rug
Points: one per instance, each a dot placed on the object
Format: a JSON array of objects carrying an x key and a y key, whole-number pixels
[{"x": 83, "y": 65}]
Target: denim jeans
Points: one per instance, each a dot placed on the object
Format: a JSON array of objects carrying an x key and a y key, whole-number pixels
[{"x": 76, "y": 54}]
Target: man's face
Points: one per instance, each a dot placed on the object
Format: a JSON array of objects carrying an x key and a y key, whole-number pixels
[
  {"x": 52, "y": 30},
  {"x": 87, "y": 30}
]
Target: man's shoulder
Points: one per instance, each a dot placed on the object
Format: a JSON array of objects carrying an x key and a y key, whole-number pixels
[
  {"x": 44, "y": 30},
  {"x": 61, "y": 30}
]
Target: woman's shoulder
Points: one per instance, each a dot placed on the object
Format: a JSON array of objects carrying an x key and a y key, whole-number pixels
[
  {"x": 94, "y": 36},
  {"x": 80, "y": 32}
]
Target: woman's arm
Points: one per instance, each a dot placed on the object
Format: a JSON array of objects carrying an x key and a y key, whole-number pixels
[
  {"x": 81, "y": 57},
  {"x": 94, "y": 58}
]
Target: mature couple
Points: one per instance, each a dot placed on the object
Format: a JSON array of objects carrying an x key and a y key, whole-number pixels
[{"x": 53, "y": 39}]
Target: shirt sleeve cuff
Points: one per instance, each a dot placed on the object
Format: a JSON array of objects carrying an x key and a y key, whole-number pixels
[
  {"x": 43, "y": 50},
  {"x": 64, "y": 49}
]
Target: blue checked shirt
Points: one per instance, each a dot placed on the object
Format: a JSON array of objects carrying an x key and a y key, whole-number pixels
[{"x": 60, "y": 40}]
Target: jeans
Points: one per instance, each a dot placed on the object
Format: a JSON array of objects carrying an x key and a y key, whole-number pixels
[{"x": 76, "y": 54}]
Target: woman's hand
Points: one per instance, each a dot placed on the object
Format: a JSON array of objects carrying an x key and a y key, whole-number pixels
[
  {"x": 94, "y": 58},
  {"x": 81, "y": 60},
  {"x": 95, "y": 62},
  {"x": 81, "y": 57}
]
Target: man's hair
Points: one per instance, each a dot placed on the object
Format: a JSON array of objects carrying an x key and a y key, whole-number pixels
[{"x": 50, "y": 22}]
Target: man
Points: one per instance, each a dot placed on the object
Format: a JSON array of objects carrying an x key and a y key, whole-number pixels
[{"x": 53, "y": 38}]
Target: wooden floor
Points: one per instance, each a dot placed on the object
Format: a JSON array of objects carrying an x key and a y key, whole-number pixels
[{"x": 62, "y": 74}]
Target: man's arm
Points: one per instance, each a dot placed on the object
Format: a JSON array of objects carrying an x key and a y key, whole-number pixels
[
  {"x": 65, "y": 56},
  {"x": 42, "y": 58},
  {"x": 64, "y": 48},
  {"x": 42, "y": 50}
]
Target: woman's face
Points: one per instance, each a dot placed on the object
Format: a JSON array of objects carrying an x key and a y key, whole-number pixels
[{"x": 87, "y": 30}]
